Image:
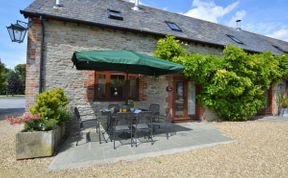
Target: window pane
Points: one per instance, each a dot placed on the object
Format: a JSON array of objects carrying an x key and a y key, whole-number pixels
[
  {"x": 179, "y": 100},
  {"x": 114, "y": 14},
  {"x": 133, "y": 88},
  {"x": 117, "y": 86},
  {"x": 173, "y": 26},
  {"x": 101, "y": 86},
  {"x": 234, "y": 39}
]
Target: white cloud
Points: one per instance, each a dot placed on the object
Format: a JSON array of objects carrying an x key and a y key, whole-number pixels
[
  {"x": 239, "y": 15},
  {"x": 273, "y": 29},
  {"x": 208, "y": 10},
  {"x": 261, "y": 27},
  {"x": 281, "y": 34}
]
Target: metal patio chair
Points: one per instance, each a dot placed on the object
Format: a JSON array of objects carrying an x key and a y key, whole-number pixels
[
  {"x": 80, "y": 125},
  {"x": 155, "y": 109},
  {"x": 156, "y": 123},
  {"x": 111, "y": 115},
  {"x": 142, "y": 127},
  {"x": 122, "y": 126}
]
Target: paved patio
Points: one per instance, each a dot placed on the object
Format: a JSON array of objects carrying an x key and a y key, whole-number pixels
[{"x": 182, "y": 137}]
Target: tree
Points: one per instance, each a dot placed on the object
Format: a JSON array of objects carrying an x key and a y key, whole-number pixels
[
  {"x": 2, "y": 76},
  {"x": 14, "y": 83},
  {"x": 20, "y": 70}
]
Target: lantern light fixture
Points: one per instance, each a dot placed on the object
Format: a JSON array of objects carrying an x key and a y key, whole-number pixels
[{"x": 17, "y": 32}]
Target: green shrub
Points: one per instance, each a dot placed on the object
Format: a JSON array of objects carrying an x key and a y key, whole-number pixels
[
  {"x": 65, "y": 114},
  {"x": 284, "y": 101},
  {"x": 233, "y": 85},
  {"x": 169, "y": 48},
  {"x": 51, "y": 105},
  {"x": 283, "y": 64}
]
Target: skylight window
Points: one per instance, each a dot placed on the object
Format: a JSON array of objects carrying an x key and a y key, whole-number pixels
[
  {"x": 235, "y": 39},
  {"x": 112, "y": 14},
  {"x": 280, "y": 49},
  {"x": 173, "y": 26}
]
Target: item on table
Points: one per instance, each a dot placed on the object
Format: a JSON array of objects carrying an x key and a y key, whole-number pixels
[
  {"x": 131, "y": 103},
  {"x": 136, "y": 111},
  {"x": 125, "y": 108}
]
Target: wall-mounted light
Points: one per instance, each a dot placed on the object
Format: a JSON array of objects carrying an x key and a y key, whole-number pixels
[{"x": 18, "y": 31}]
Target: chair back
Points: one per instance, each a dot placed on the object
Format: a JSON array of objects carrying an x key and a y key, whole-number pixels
[
  {"x": 77, "y": 114},
  {"x": 123, "y": 118},
  {"x": 77, "y": 124},
  {"x": 155, "y": 109},
  {"x": 144, "y": 117}
]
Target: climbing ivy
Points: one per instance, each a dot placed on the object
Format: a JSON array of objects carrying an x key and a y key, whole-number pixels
[
  {"x": 169, "y": 48},
  {"x": 233, "y": 85},
  {"x": 283, "y": 64}
]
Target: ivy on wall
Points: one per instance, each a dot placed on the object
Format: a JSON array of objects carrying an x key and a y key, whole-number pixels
[{"x": 233, "y": 85}]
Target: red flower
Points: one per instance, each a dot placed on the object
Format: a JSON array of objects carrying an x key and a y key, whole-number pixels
[{"x": 22, "y": 119}]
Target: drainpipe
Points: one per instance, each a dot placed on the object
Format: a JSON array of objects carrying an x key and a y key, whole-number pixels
[{"x": 41, "y": 55}]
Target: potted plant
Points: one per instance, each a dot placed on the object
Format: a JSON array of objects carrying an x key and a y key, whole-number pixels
[
  {"x": 43, "y": 126},
  {"x": 284, "y": 106}
]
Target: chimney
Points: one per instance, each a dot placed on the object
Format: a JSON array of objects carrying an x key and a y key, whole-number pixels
[
  {"x": 136, "y": 5},
  {"x": 58, "y": 4},
  {"x": 238, "y": 25}
]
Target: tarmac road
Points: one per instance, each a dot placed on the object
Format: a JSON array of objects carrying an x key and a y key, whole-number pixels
[{"x": 11, "y": 106}]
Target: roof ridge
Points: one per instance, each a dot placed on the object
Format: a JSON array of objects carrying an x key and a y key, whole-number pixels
[
  {"x": 152, "y": 21},
  {"x": 214, "y": 23}
]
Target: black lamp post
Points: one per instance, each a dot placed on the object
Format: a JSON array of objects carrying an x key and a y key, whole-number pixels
[{"x": 18, "y": 31}]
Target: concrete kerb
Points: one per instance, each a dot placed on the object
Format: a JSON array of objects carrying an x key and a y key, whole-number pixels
[{"x": 134, "y": 157}]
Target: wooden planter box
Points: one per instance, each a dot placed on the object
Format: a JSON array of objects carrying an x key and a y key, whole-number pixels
[{"x": 38, "y": 143}]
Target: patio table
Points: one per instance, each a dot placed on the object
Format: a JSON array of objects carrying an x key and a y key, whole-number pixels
[
  {"x": 132, "y": 125},
  {"x": 111, "y": 117}
]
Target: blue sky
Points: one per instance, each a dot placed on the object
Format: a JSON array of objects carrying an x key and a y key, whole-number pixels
[{"x": 265, "y": 17}]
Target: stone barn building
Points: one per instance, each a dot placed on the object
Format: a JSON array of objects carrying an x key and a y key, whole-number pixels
[{"x": 57, "y": 30}]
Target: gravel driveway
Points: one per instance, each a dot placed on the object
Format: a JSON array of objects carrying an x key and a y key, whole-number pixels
[{"x": 260, "y": 150}]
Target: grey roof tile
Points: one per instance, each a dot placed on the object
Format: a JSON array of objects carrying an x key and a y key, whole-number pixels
[{"x": 153, "y": 21}]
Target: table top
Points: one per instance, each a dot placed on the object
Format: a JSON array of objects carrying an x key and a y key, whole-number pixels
[{"x": 136, "y": 110}]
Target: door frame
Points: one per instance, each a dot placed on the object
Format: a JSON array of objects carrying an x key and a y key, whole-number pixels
[{"x": 185, "y": 116}]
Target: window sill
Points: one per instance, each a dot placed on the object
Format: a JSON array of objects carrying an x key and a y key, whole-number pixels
[{"x": 113, "y": 100}]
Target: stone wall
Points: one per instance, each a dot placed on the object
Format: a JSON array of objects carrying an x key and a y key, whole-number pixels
[{"x": 62, "y": 39}]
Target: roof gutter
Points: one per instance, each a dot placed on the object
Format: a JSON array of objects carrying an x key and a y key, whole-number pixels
[{"x": 47, "y": 16}]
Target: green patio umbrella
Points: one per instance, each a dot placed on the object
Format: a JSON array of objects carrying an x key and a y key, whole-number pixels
[{"x": 124, "y": 61}]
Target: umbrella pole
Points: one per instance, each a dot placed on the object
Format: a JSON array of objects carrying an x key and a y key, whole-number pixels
[{"x": 127, "y": 91}]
